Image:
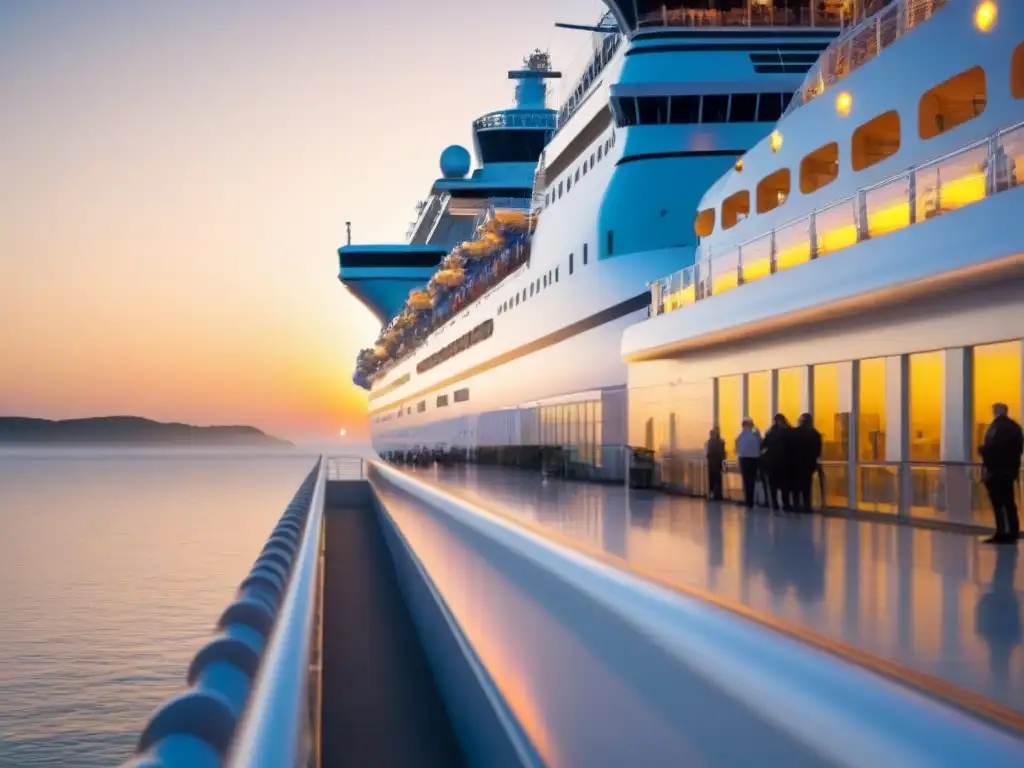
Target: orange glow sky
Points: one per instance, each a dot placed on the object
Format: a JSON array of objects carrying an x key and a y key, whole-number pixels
[{"x": 175, "y": 178}]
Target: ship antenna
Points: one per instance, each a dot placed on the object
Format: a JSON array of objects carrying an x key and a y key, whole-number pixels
[
  {"x": 531, "y": 93},
  {"x": 348, "y": 233}
]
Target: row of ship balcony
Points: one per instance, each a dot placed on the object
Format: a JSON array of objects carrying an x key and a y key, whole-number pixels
[
  {"x": 881, "y": 23},
  {"x": 966, "y": 176},
  {"x": 754, "y": 13}
]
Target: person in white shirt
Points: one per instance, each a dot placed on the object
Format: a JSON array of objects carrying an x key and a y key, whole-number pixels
[{"x": 748, "y": 451}]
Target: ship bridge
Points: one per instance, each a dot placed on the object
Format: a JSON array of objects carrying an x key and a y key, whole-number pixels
[{"x": 507, "y": 145}]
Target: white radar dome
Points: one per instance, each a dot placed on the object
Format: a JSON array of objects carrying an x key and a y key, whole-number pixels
[{"x": 455, "y": 162}]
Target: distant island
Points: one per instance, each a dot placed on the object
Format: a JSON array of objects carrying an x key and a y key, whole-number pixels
[{"x": 129, "y": 430}]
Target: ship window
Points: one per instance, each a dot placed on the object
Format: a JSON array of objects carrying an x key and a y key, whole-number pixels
[
  {"x": 1017, "y": 73},
  {"x": 819, "y": 168},
  {"x": 556, "y": 274},
  {"x": 769, "y": 107},
  {"x": 545, "y": 281},
  {"x": 626, "y": 111},
  {"x": 611, "y": 241},
  {"x": 461, "y": 395},
  {"x": 549, "y": 277},
  {"x": 568, "y": 182},
  {"x": 743, "y": 108},
  {"x": 517, "y": 299},
  {"x": 559, "y": 189},
  {"x": 599, "y": 149},
  {"x": 591, "y": 160},
  {"x": 876, "y": 140},
  {"x": 585, "y": 167},
  {"x": 773, "y": 190},
  {"x": 570, "y": 263},
  {"x": 735, "y": 208},
  {"x": 704, "y": 224},
  {"x": 714, "y": 109},
  {"x": 531, "y": 289},
  {"x": 511, "y": 145},
  {"x": 442, "y": 401},
  {"x": 652, "y": 110},
  {"x": 952, "y": 103},
  {"x": 584, "y": 254},
  {"x": 577, "y": 175},
  {"x": 685, "y": 109},
  {"x": 525, "y": 297}
]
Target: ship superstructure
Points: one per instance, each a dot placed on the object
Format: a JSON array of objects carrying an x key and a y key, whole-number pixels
[
  {"x": 657, "y": 113},
  {"x": 862, "y": 263}
]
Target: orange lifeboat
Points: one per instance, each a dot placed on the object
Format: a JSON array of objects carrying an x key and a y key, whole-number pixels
[
  {"x": 420, "y": 300},
  {"x": 450, "y": 277}
]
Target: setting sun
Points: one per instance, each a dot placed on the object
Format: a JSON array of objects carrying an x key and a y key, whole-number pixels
[{"x": 341, "y": 432}]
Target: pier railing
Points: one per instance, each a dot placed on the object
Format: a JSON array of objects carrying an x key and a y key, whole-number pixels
[
  {"x": 966, "y": 176},
  {"x": 254, "y": 688}
]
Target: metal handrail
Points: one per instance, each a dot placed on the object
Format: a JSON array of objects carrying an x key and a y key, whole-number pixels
[{"x": 273, "y": 733}]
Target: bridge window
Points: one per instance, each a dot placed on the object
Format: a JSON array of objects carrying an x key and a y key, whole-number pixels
[
  {"x": 652, "y": 110},
  {"x": 442, "y": 401},
  {"x": 769, "y": 107},
  {"x": 773, "y": 190},
  {"x": 819, "y": 168},
  {"x": 1017, "y": 73},
  {"x": 461, "y": 395},
  {"x": 704, "y": 224},
  {"x": 735, "y": 208},
  {"x": 584, "y": 254},
  {"x": 511, "y": 145},
  {"x": 626, "y": 113},
  {"x": 714, "y": 109},
  {"x": 876, "y": 140},
  {"x": 952, "y": 103},
  {"x": 685, "y": 110},
  {"x": 421, "y": 406},
  {"x": 743, "y": 108}
]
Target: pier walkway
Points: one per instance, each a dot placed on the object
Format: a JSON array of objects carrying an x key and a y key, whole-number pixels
[{"x": 906, "y": 599}]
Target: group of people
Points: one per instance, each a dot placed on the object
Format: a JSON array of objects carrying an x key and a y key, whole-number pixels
[
  {"x": 782, "y": 463},
  {"x": 785, "y": 460}
]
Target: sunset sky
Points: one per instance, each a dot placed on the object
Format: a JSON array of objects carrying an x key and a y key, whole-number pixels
[{"x": 175, "y": 178}]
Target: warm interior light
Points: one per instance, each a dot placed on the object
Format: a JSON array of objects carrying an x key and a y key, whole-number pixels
[
  {"x": 775, "y": 141},
  {"x": 985, "y": 15},
  {"x": 844, "y": 102},
  {"x": 739, "y": 165}
]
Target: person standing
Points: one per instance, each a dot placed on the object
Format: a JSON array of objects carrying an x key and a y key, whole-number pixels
[
  {"x": 1000, "y": 455},
  {"x": 807, "y": 455},
  {"x": 776, "y": 462},
  {"x": 748, "y": 452},
  {"x": 714, "y": 452}
]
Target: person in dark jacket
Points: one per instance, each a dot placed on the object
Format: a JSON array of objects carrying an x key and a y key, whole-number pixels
[
  {"x": 1000, "y": 455},
  {"x": 714, "y": 452},
  {"x": 776, "y": 463},
  {"x": 806, "y": 455}
]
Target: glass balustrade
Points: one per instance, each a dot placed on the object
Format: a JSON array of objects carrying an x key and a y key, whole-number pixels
[
  {"x": 756, "y": 258},
  {"x": 835, "y": 227},
  {"x": 952, "y": 182}
]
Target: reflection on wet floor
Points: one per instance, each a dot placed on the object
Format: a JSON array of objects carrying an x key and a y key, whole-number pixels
[{"x": 939, "y": 602}]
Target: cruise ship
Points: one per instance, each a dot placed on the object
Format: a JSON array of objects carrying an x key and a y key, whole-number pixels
[
  {"x": 513, "y": 345},
  {"x": 863, "y": 262}
]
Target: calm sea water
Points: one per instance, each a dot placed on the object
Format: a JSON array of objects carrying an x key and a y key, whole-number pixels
[{"x": 113, "y": 570}]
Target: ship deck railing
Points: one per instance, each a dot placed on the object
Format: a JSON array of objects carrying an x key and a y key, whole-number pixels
[
  {"x": 882, "y": 24},
  {"x": 968, "y": 175},
  {"x": 753, "y": 14}
]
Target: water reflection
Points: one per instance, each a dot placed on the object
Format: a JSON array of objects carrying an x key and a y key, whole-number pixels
[
  {"x": 939, "y": 602},
  {"x": 113, "y": 570}
]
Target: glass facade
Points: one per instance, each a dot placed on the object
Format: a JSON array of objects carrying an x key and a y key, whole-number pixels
[
  {"x": 871, "y": 411},
  {"x": 759, "y": 403},
  {"x": 575, "y": 426},
  {"x": 829, "y": 418},
  {"x": 791, "y": 390},
  {"x": 926, "y": 387},
  {"x": 728, "y": 417},
  {"x": 997, "y": 379}
]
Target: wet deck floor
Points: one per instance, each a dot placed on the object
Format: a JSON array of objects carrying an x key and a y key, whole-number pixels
[{"x": 938, "y": 602}]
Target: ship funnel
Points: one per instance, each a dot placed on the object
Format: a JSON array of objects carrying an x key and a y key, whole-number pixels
[{"x": 531, "y": 90}]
